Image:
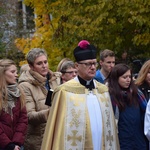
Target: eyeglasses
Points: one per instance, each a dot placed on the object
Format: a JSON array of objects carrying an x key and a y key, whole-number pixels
[
  {"x": 89, "y": 64},
  {"x": 70, "y": 72}
]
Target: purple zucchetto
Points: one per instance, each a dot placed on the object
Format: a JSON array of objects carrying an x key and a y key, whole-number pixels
[{"x": 84, "y": 51}]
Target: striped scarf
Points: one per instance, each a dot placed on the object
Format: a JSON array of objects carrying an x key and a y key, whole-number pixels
[{"x": 142, "y": 100}]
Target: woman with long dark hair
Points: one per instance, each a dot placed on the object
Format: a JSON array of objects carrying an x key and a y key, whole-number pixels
[{"x": 129, "y": 106}]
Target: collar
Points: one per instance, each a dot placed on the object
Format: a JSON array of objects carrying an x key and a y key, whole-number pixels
[{"x": 88, "y": 84}]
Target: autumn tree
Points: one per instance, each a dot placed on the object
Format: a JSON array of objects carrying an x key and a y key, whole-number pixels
[{"x": 117, "y": 25}]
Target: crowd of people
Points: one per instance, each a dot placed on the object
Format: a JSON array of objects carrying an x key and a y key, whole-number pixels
[{"x": 84, "y": 105}]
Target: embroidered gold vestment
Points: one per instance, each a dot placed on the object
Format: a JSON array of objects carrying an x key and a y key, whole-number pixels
[{"x": 68, "y": 125}]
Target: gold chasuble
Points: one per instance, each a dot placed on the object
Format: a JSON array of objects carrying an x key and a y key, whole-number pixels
[{"x": 68, "y": 126}]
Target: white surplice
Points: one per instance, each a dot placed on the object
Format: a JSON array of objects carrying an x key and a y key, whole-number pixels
[{"x": 147, "y": 122}]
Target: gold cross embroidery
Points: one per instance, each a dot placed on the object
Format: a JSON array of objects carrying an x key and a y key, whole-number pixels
[
  {"x": 77, "y": 100},
  {"x": 74, "y": 138},
  {"x": 110, "y": 137},
  {"x": 75, "y": 118},
  {"x": 108, "y": 118}
]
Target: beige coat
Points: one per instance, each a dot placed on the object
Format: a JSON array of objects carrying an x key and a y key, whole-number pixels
[{"x": 33, "y": 85}]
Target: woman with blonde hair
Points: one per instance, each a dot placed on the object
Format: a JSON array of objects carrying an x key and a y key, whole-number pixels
[
  {"x": 143, "y": 80},
  {"x": 61, "y": 63},
  {"x": 13, "y": 115}
]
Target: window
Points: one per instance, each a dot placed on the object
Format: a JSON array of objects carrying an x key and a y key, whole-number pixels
[{"x": 25, "y": 19}]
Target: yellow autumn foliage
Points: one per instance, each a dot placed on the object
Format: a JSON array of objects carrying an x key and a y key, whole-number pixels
[{"x": 117, "y": 25}]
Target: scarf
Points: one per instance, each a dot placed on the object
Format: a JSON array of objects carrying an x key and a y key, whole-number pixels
[
  {"x": 142, "y": 100},
  {"x": 38, "y": 80},
  {"x": 13, "y": 94}
]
